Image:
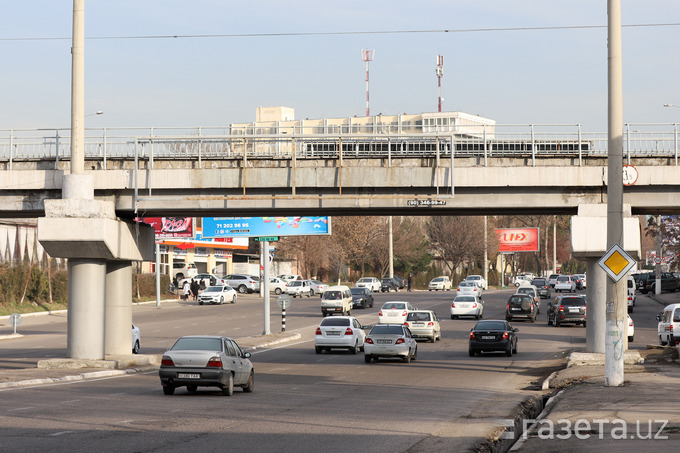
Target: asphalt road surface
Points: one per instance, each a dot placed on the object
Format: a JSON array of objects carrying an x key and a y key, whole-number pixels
[{"x": 302, "y": 401}]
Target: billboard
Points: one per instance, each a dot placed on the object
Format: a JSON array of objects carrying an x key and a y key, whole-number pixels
[
  {"x": 215, "y": 227},
  {"x": 171, "y": 227},
  {"x": 517, "y": 239}
]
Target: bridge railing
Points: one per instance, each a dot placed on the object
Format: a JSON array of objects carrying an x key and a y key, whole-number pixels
[{"x": 198, "y": 143}]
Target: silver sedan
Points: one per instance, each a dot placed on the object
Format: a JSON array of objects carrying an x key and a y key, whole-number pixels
[{"x": 390, "y": 340}]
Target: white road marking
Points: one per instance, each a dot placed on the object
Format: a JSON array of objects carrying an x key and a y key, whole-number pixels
[
  {"x": 69, "y": 401},
  {"x": 20, "y": 409},
  {"x": 60, "y": 433}
]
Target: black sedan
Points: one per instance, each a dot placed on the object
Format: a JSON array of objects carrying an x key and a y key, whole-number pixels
[
  {"x": 361, "y": 297},
  {"x": 493, "y": 335},
  {"x": 388, "y": 285}
]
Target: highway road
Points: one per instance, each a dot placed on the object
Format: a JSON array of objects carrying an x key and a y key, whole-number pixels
[{"x": 302, "y": 401}]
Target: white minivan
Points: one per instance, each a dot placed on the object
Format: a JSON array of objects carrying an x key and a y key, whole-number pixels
[
  {"x": 669, "y": 325},
  {"x": 336, "y": 299}
]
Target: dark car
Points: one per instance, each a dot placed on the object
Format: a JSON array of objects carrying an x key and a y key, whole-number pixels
[
  {"x": 669, "y": 282},
  {"x": 577, "y": 281},
  {"x": 521, "y": 306},
  {"x": 493, "y": 335},
  {"x": 542, "y": 286},
  {"x": 361, "y": 297},
  {"x": 388, "y": 285},
  {"x": 401, "y": 282},
  {"x": 567, "y": 309}
]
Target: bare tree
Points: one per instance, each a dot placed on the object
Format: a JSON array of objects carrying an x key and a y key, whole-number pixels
[{"x": 457, "y": 238}]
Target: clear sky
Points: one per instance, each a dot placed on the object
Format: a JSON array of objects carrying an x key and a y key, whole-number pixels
[{"x": 230, "y": 57}]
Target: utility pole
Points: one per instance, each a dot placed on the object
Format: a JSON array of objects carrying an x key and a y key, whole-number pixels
[
  {"x": 616, "y": 291},
  {"x": 367, "y": 56},
  {"x": 440, "y": 73}
]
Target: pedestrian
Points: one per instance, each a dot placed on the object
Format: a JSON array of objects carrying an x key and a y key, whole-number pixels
[
  {"x": 410, "y": 280},
  {"x": 186, "y": 290},
  {"x": 194, "y": 289}
]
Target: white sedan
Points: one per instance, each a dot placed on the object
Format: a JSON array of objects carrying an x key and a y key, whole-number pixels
[
  {"x": 481, "y": 282},
  {"x": 277, "y": 285},
  {"x": 565, "y": 283},
  {"x": 390, "y": 340},
  {"x": 468, "y": 288},
  {"x": 371, "y": 283},
  {"x": 299, "y": 288},
  {"x": 217, "y": 295},
  {"x": 467, "y": 306},
  {"x": 136, "y": 339},
  {"x": 394, "y": 312},
  {"x": 343, "y": 332},
  {"x": 442, "y": 283}
]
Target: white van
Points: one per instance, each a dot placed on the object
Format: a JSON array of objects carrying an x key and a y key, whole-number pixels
[
  {"x": 632, "y": 293},
  {"x": 182, "y": 270},
  {"x": 336, "y": 299},
  {"x": 669, "y": 325}
]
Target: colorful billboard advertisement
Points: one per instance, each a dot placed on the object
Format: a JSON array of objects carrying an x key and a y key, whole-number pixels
[
  {"x": 517, "y": 239},
  {"x": 215, "y": 227},
  {"x": 171, "y": 227}
]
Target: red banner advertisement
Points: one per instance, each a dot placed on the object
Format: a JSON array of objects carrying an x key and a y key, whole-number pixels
[
  {"x": 517, "y": 239},
  {"x": 171, "y": 227}
]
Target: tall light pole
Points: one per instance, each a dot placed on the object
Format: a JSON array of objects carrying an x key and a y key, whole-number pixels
[{"x": 367, "y": 56}]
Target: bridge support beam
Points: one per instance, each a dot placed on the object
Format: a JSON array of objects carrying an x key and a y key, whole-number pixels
[
  {"x": 86, "y": 295},
  {"x": 118, "y": 340},
  {"x": 589, "y": 241}
]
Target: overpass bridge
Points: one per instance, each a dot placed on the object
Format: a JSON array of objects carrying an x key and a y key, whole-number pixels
[{"x": 211, "y": 171}]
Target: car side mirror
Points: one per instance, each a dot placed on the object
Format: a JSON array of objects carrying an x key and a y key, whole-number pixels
[
  {"x": 246, "y": 355},
  {"x": 658, "y": 316},
  {"x": 515, "y": 329},
  {"x": 364, "y": 327}
]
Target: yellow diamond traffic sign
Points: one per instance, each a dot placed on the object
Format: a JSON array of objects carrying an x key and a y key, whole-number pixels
[{"x": 616, "y": 262}]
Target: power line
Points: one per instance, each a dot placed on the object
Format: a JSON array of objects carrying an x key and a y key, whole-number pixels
[{"x": 344, "y": 33}]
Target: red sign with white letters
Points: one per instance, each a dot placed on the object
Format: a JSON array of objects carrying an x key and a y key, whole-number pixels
[{"x": 517, "y": 239}]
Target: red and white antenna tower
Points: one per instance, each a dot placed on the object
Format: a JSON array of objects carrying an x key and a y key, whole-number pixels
[
  {"x": 367, "y": 56},
  {"x": 440, "y": 73}
]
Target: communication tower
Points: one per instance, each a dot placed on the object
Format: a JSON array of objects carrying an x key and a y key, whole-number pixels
[
  {"x": 367, "y": 56},
  {"x": 440, "y": 73}
]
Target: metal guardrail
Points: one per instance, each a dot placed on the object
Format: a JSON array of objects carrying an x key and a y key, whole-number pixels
[{"x": 197, "y": 143}]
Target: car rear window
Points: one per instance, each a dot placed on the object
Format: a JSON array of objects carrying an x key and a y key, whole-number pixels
[
  {"x": 464, "y": 299},
  {"x": 573, "y": 301},
  {"x": 393, "y": 305},
  {"x": 562, "y": 279},
  {"x": 357, "y": 291},
  {"x": 517, "y": 300},
  {"x": 387, "y": 330},
  {"x": 198, "y": 344},
  {"x": 466, "y": 284},
  {"x": 490, "y": 325},
  {"x": 418, "y": 316},
  {"x": 334, "y": 321},
  {"x": 521, "y": 290},
  {"x": 537, "y": 282}
]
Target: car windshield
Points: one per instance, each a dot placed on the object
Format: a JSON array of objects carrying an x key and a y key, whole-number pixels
[
  {"x": 473, "y": 277},
  {"x": 573, "y": 301},
  {"x": 438, "y": 279},
  {"x": 525, "y": 290},
  {"x": 387, "y": 330},
  {"x": 357, "y": 291},
  {"x": 418, "y": 316},
  {"x": 467, "y": 284},
  {"x": 464, "y": 299},
  {"x": 490, "y": 325},
  {"x": 365, "y": 280},
  {"x": 394, "y": 305},
  {"x": 334, "y": 321},
  {"x": 332, "y": 295},
  {"x": 198, "y": 344},
  {"x": 214, "y": 289}
]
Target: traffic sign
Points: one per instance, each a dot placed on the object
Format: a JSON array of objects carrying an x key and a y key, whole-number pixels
[
  {"x": 616, "y": 262},
  {"x": 283, "y": 301},
  {"x": 14, "y": 320},
  {"x": 267, "y": 238}
]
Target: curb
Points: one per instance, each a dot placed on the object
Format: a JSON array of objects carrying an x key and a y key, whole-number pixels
[{"x": 77, "y": 377}]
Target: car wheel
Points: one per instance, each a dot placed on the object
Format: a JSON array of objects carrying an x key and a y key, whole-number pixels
[
  {"x": 630, "y": 309},
  {"x": 242, "y": 289},
  {"x": 415, "y": 354},
  {"x": 349, "y": 312},
  {"x": 168, "y": 390},
  {"x": 192, "y": 388},
  {"x": 584, "y": 323},
  {"x": 454, "y": 316},
  {"x": 477, "y": 316},
  {"x": 661, "y": 342},
  {"x": 630, "y": 339},
  {"x": 433, "y": 338},
  {"x": 233, "y": 299},
  {"x": 221, "y": 300},
  {"x": 355, "y": 348},
  {"x": 508, "y": 351},
  {"x": 318, "y": 349},
  {"x": 135, "y": 347},
  {"x": 200, "y": 302},
  {"x": 532, "y": 319},
  {"x": 250, "y": 386},
  {"x": 367, "y": 358},
  {"x": 277, "y": 291},
  {"x": 407, "y": 358},
  {"x": 471, "y": 352},
  {"x": 228, "y": 388},
  {"x": 557, "y": 322},
  {"x": 550, "y": 323},
  {"x": 508, "y": 318},
  {"x": 514, "y": 351}
]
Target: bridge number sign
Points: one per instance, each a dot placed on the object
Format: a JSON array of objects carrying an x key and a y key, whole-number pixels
[{"x": 630, "y": 175}]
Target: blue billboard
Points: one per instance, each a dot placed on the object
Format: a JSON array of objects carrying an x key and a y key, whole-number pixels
[{"x": 217, "y": 227}]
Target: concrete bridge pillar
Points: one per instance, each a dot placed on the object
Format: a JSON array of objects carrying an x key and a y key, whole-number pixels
[
  {"x": 596, "y": 290},
  {"x": 118, "y": 340},
  {"x": 86, "y": 295}
]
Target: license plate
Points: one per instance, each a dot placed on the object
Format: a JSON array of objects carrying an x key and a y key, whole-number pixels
[
  {"x": 384, "y": 341},
  {"x": 487, "y": 337},
  {"x": 418, "y": 324},
  {"x": 464, "y": 305},
  {"x": 573, "y": 310},
  {"x": 332, "y": 333},
  {"x": 188, "y": 375},
  {"x": 516, "y": 309},
  {"x": 392, "y": 314}
]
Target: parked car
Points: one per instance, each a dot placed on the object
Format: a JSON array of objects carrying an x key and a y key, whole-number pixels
[
  {"x": 206, "y": 361},
  {"x": 542, "y": 286},
  {"x": 336, "y": 299},
  {"x": 565, "y": 283},
  {"x": 401, "y": 282},
  {"x": 206, "y": 279},
  {"x": 521, "y": 306},
  {"x": 136, "y": 339},
  {"x": 669, "y": 282},
  {"x": 182, "y": 270},
  {"x": 481, "y": 282},
  {"x": 344, "y": 332},
  {"x": 289, "y": 277},
  {"x": 639, "y": 280},
  {"x": 371, "y": 283},
  {"x": 361, "y": 297},
  {"x": 442, "y": 283},
  {"x": 392, "y": 341},
  {"x": 277, "y": 285},
  {"x": 632, "y": 293},
  {"x": 533, "y": 292},
  {"x": 424, "y": 324},
  {"x": 631, "y": 329},
  {"x": 577, "y": 281},
  {"x": 217, "y": 295},
  {"x": 493, "y": 335},
  {"x": 243, "y": 283},
  {"x": 521, "y": 279},
  {"x": 394, "y": 312},
  {"x": 470, "y": 305},
  {"x": 388, "y": 285},
  {"x": 552, "y": 279},
  {"x": 668, "y": 328},
  {"x": 319, "y": 287},
  {"x": 299, "y": 288},
  {"x": 567, "y": 309},
  {"x": 468, "y": 287}
]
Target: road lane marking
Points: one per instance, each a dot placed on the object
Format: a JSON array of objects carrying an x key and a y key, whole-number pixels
[
  {"x": 16, "y": 409},
  {"x": 69, "y": 401},
  {"x": 61, "y": 433}
]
